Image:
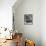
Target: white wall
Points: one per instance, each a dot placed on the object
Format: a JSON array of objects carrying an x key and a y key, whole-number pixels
[
  {"x": 6, "y": 13},
  {"x": 43, "y": 22},
  {"x": 29, "y": 31}
]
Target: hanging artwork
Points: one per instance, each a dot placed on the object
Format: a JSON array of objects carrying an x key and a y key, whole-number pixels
[{"x": 28, "y": 19}]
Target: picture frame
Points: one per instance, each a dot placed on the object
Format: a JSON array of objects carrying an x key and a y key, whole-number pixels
[{"x": 28, "y": 19}]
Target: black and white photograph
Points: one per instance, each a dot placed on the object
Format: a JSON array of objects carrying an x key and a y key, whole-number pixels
[{"x": 28, "y": 19}]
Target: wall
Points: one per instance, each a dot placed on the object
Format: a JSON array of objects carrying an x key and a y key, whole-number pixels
[
  {"x": 43, "y": 22},
  {"x": 6, "y": 13},
  {"x": 30, "y": 31}
]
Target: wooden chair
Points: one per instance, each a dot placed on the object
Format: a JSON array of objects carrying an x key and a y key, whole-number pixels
[
  {"x": 29, "y": 43},
  {"x": 18, "y": 39}
]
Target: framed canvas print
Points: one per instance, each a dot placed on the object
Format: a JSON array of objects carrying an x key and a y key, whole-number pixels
[{"x": 28, "y": 19}]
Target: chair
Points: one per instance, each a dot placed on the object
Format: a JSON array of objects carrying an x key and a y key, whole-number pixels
[
  {"x": 18, "y": 39},
  {"x": 29, "y": 43}
]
